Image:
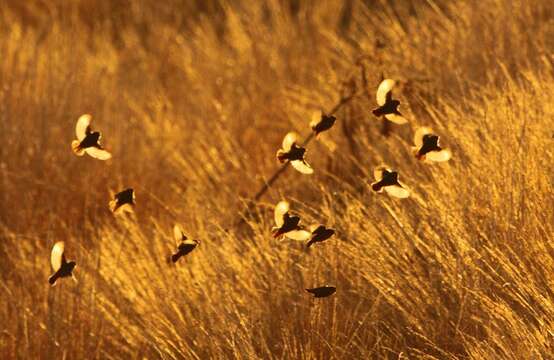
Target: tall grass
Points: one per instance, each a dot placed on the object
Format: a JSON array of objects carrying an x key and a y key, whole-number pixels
[{"x": 193, "y": 99}]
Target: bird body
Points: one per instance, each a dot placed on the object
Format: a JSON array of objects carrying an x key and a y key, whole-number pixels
[
  {"x": 387, "y": 180},
  {"x": 294, "y": 153},
  {"x": 322, "y": 122},
  {"x": 319, "y": 234},
  {"x": 427, "y": 146},
  {"x": 123, "y": 201},
  {"x": 185, "y": 246},
  {"x": 388, "y": 107},
  {"x": 286, "y": 224},
  {"x": 62, "y": 268},
  {"x": 322, "y": 291},
  {"x": 88, "y": 141}
]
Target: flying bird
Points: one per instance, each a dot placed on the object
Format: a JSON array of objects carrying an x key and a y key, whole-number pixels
[
  {"x": 322, "y": 291},
  {"x": 388, "y": 107},
  {"x": 123, "y": 201},
  {"x": 387, "y": 180},
  {"x": 288, "y": 225},
  {"x": 62, "y": 268},
  {"x": 321, "y": 122},
  {"x": 319, "y": 233},
  {"x": 185, "y": 246},
  {"x": 294, "y": 153},
  {"x": 427, "y": 146},
  {"x": 88, "y": 141}
]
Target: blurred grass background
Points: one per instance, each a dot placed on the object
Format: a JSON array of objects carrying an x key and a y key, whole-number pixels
[{"x": 193, "y": 99}]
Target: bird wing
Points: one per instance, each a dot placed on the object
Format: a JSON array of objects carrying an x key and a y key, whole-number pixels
[
  {"x": 281, "y": 209},
  {"x": 289, "y": 139},
  {"x": 439, "y": 156},
  {"x": 397, "y": 191},
  {"x": 82, "y": 124},
  {"x": 419, "y": 134},
  {"x": 56, "y": 255},
  {"x": 178, "y": 233},
  {"x": 397, "y": 119},
  {"x": 378, "y": 172},
  {"x": 299, "y": 235},
  {"x": 384, "y": 88},
  {"x": 302, "y": 166},
  {"x": 97, "y": 153}
]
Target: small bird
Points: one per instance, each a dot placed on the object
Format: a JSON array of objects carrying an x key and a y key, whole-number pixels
[
  {"x": 319, "y": 233},
  {"x": 321, "y": 122},
  {"x": 123, "y": 201},
  {"x": 427, "y": 146},
  {"x": 87, "y": 140},
  {"x": 288, "y": 225},
  {"x": 387, "y": 179},
  {"x": 62, "y": 268},
  {"x": 388, "y": 107},
  {"x": 322, "y": 291},
  {"x": 294, "y": 153},
  {"x": 185, "y": 246}
]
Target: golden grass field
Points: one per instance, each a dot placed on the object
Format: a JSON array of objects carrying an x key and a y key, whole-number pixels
[{"x": 193, "y": 99}]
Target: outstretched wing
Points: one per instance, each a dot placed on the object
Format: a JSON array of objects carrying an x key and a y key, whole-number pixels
[
  {"x": 56, "y": 255},
  {"x": 302, "y": 166},
  {"x": 384, "y": 88},
  {"x": 397, "y": 119},
  {"x": 397, "y": 191},
  {"x": 178, "y": 233},
  {"x": 439, "y": 156},
  {"x": 289, "y": 139},
  {"x": 82, "y": 124},
  {"x": 299, "y": 235},
  {"x": 281, "y": 209},
  {"x": 97, "y": 153},
  {"x": 419, "y": 134}
]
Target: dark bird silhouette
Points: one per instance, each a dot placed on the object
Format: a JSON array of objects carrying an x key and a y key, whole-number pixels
[
  {"x": 388, "y": 107},
  {"x": 294, "y": 153},
  {"x": 123, "y": 201},
  {"x": 288, "y": 225},
  {"x": 185, "y": 246},
  {"x": 319, "y": 234},
  {"x": 62, "y": 268},
  {"x": 88, "y": 141},
  {"x": 322, "y": 122},
  {"x": 427, "y": 146},
  {"x": 322, "y": 291},
  {"x": 387, "y": 180}
]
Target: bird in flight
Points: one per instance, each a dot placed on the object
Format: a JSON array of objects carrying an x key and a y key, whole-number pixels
[
  {"x": 322, "y": 291},
  {"x": 185, "y": 245},
  {"x": 88, "y": 141},
  {"x": 62, "y": 268},
  {"x": 387, "y": 180},
  {"x": 427, "y": 146},
  {"x": 286, "y": 224},
  {"x": 123, "y": 201},
  {"x": 319, "y": 233},
  {"x": 294, "y": 153},
  {"x": 388, "y": 107},
  {"x": 321, "y": 122}
]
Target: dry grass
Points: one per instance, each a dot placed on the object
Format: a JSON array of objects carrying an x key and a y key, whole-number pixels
[{"x": 193, "y": 99}]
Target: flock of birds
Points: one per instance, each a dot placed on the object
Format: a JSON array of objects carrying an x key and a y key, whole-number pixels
[{"x": 427, "y": 148}]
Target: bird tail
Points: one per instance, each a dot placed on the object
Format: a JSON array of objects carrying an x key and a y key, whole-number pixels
[
  {"x": 76, "y": 147},
  {"x": 276, "y": 232},
  {"x": 416, "y": 153},
  {"x": 175, "y": 257}
]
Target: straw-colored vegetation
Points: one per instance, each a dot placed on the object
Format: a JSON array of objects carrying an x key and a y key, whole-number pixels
[{"x": 193, "y": 99}]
